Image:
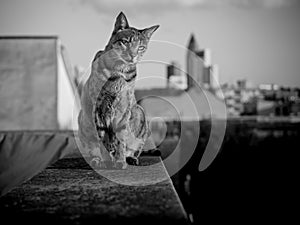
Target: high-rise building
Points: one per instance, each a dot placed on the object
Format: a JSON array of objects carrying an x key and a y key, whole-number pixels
[
  {"x": 214, "y": 83},
  {"x": 198, "y": 64},
  {"x": 206, "y": 79},
  {"x": 173, "y": 69},
  {"x": 175, "y": 79},
  {"x": 207, "y": 57},
  {"x": 211, "y": 77},
  {"x": 194, "y": 64}
]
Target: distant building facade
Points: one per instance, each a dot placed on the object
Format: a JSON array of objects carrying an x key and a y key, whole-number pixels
[
  {"x": 199, "y": 69},
  {"x": 185, "y": 92},
  {"x": 193, "y": 63},
  {"x": 175, "y": 78},
  {"x": 266, "y": 100}
]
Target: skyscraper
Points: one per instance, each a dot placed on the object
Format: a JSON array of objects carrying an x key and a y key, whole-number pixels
[
  {"x": 198, "y": 64},
  {"x": 175, "y": 79},
  {"x": 200, "y": 70},
  {"x": 173, "y": 69},
  {"x": 214, "y": 83},
  {"x": 206, "y": 79},
  {"x": 194, "y": 64}
]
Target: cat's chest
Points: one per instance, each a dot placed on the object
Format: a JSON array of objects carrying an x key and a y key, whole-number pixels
[
  {"x": 123, "y": 101},
  {"x": 120, "y": 102}
]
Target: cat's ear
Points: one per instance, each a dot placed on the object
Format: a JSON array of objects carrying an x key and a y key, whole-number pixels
[
  {"x": 149, "y": 31},
  {"x": 121, "y": 22}
]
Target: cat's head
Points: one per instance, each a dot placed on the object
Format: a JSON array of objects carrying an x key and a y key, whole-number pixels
[{"x": 128, "y": 42}]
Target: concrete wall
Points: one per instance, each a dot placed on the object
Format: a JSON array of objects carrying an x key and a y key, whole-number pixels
[{"x": 28, "y": 83}]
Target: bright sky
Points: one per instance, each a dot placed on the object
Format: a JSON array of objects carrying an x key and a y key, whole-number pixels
[{"x": 254, "y": 39}]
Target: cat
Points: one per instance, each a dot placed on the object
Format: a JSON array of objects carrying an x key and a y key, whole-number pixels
[
  {"x": 120, "y": 123},
  {"x": 119, "y": 58}
]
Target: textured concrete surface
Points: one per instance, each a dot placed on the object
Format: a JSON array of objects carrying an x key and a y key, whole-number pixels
[
  {"x": 70, "y": 192},
  {"x": 24, "y": 154},
  {"x": 28, "y": 83}
]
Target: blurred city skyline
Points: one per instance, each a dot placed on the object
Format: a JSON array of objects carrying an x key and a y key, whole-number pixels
[{"x": 254, "y": 40}]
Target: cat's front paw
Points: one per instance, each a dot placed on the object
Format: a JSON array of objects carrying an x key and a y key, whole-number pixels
[
  {"x": 97, "y": 163},
  {"x": 120, "y": 165}
]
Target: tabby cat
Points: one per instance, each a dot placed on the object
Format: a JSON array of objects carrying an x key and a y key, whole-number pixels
[{"x": 111, "y": 125}]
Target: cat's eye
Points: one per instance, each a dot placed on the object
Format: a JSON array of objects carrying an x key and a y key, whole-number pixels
[
  {"x": 142, "y": 48},
  {"x": 123, "y": 41}
]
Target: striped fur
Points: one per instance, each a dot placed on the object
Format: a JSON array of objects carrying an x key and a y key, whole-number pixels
[{"x": 110, "y": 121}]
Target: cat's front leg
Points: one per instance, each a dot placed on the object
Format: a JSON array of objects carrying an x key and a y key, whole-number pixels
[
  {"x": 119, "y": 156},
  {"x": 96, "y": 158},
  {"x": 100, "y": 158}
]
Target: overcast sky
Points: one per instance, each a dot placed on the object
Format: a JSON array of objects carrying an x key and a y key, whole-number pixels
[{"x": 254, "y": 39}]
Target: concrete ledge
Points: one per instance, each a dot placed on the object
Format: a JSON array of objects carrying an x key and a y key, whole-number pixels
[{"x": 70, "y": 192}]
